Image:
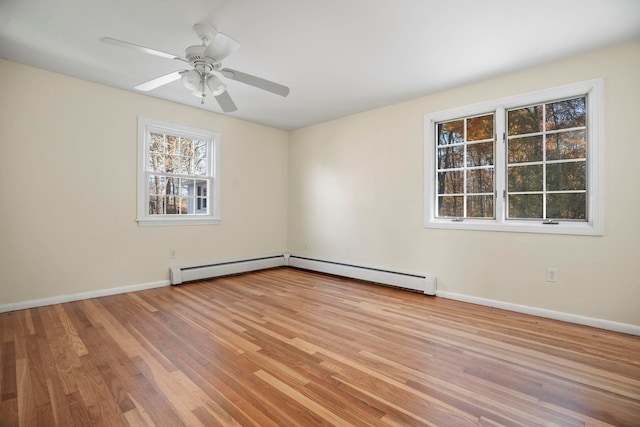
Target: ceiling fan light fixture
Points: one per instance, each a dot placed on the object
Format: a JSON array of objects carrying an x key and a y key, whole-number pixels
[
  {"x": 215, "y": 85},
  {"x": 191, "y": 80}
]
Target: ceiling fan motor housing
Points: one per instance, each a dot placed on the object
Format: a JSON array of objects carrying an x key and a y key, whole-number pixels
[
  {"x": 196, "y": 57},
  {"x": 195, "y": 54}
]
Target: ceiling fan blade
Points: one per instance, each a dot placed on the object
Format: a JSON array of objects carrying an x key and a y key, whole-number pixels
[
  {"x": 159, "y": 81},
  {"x": 221, "y": 47},
  {"x": 226, "y": 103},
  {"x": 148, "y": 50},
  {"x": 258, "y": 82}
]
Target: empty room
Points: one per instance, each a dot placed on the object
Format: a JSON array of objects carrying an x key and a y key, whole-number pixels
[{"x": 319, "y": 213}]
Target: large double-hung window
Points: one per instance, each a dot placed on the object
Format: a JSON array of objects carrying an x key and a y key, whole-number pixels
[
  {"x": 177, "y": 174},
  {"x": 529, "y": 163}
]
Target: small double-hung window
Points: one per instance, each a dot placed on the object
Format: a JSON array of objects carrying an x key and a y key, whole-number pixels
[
  {"x": 177, "y": 174},
  {"x": 529, "y": 163}
]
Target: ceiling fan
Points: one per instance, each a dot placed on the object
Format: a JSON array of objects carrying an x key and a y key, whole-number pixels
[{"x": 206, "y": 70}]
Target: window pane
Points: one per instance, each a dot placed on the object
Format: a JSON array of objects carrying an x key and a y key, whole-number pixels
[
  {"x": 201, "y": 188},
  {"x": 451, "y": 132},
  {"x": 186, "y": 165},
  {"x": 187, "y": 187},
  {"x": 186, "y": 147},
  {"x": 184, "y": 204},
  {"x": 200, "y": 166},
  {"x": 178, "y": 205},
  {"x": 525, "y": 178},
  {"x": 451, "y": 206},
  {"x": 156, "y": 205},
  {"x": 525, "y": 206},
  {"x": 188, "y": 205},
  {"x": 200, "y": 148},
  {"x": 528, "y": 149},
  {"x": 525, "y": 120},
  {"x": 156, "y": 162},
  {"x": 451, "y": 182},
  {"x": 567, "y": 206},
  {"x": 156, "y": 145},
  {"x": 172, "y": 205},
  {"x": 201, "y": 205},
  {"x": 173, "y": 145},
  {"x": 566, "y": 114},
  {"x": 451, "y": 157},
  {"x": 172, "y": 186},
  {"x": 480, "y": 206},
  {"x": 480, "y": 154},
  {"x": 201, "y": 199},
  {"x": 157, "y": 184},
  {"x": 480, "y": 128},
  {"x": 567, "y": 176},
  {"x": 172, "y": 164},
  {"x": 567, "y": 145},
  {"x": 480, "y": 181}
]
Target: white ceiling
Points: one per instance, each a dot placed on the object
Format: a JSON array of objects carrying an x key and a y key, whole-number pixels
[{"x": 339, "y": 57}]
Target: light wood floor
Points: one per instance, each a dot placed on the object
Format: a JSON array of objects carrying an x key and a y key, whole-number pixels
[{"x": 285, "y": 347}]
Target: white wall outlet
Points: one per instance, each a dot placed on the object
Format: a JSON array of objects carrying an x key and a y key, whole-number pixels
[{"x": 552, "y": 274}]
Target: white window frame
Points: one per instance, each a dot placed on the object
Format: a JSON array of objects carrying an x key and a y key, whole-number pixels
[
  {"x": 145, "y": 127},
  {"x": 594, "y": 226}
]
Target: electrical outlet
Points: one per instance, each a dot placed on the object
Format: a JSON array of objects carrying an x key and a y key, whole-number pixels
[
  {"x": 552, "y": 274},
  {"x": 172, "y": 254}
]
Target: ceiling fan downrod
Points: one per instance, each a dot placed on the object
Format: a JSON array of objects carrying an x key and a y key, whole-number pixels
[{"x": 204, "y": 94}]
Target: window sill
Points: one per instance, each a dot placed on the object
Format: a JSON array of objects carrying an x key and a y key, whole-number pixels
[
  {"x": 572, "y": 228},
  {"x": 151, "y": 222}
]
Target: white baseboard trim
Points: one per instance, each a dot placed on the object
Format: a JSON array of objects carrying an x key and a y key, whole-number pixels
[
  {"x": 549, "y": 314},
  {"x": 60, "y": 299}
]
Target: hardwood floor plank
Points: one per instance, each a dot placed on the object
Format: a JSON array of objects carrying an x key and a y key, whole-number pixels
[
  {"x": 27, "y": 407},
  {"x": 9, "y": 375},
  {"x": 9, "y": 412},
  {"x": 62, "y": 412},
  {"x": 71, "y": 334},
  {"x": 63, "y": 356},
  {"x": 137, "y": 418},
  {"x": 37, "y": 374},
  {"x": 285, "y": 347},
  {"x": 221, "y": 391},
  {"x": 96, "y": 396},
  {"x": 301, "y": 399}
]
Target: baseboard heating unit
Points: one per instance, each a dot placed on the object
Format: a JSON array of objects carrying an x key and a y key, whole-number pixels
[
  {"x": 423, "y": 283},
  {"x": 186, "y": 274}
]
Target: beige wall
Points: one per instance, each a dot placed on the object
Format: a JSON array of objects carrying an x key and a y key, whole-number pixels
[
  {"x": 356, "y": 195},
  {"x": 68, "y": 153},
  {"x": 68, "y": 199}
]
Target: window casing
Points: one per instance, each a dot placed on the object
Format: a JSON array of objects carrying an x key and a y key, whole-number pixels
[
  {"x": 178, "y": 169},
  {"x": 528, "y": 163}
]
